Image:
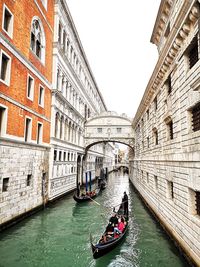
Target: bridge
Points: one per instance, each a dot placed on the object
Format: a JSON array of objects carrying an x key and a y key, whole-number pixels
[{"x": 109, "y": 127}]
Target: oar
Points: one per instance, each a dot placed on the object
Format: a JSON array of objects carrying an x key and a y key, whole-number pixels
[{"x": 94, "y": 201}]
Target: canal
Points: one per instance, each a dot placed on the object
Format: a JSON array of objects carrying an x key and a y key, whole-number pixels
[{"x": 59, "y": 235}]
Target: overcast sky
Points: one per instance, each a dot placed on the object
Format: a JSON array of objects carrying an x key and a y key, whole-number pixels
[{"x": 115, "y": 35}]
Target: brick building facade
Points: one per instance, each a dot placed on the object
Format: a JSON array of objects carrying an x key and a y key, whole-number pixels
[{"x": 26, "y": 34}]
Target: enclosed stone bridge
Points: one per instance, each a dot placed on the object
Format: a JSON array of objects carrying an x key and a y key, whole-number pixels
[{"x": 109, "y": 127}]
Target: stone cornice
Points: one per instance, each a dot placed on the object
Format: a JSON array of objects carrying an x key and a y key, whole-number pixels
[
  {"x": 188, "y": 15},
  {"x": 162, "y": 18}
]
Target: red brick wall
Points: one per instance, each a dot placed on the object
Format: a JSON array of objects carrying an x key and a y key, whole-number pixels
[{"x": 23, "y": 12}]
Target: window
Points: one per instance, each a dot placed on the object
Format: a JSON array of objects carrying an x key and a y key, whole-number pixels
[
  {"x": 196, "y": 117},
  {"x": 30, "y": 87},
  {"x": 28, "y": 180},
  {"x": 64, "y": 40},
  {"x": 168, "y": 83},
  {"x": 39, "y": 133},
  {"x": 119, "y": 130},
  {"x": 170, "y": 189},
  {"x": 99, "y": 130},
  {"x": 59, "y": 33},
  {"x": 155, "y": 134},
  {"x": 147, "y": 178},
  {"x": 60, "y": 155},
  {"x": 64, "y": 156},
  {"x": 5, "y": 184},
  {"x": 55, "y": 155},
  {"x": 28, "y": 130},
  {"x": 147, "y": 114},
  {"x": 155, "y": 103},
  {"x": 7, "y": 24},
  {"x": 37, "y": 39},
  {"x": 169, "y": 125},
  {"x": 3, "y": 118},
  {"x": 5, "y": 67},
  {"x": 156, "y": 182},
  {"x": 192, "y": 52},
  {"x": 41, "y": 96},
  {"x": 197, "y": 201},
  {"x": 68, "y": 156}
]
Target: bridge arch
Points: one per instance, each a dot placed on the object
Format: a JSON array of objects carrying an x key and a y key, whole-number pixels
[{"x": 109, "y": 127}]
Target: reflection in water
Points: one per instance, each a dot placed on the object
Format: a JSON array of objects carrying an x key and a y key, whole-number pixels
[{"x": 59, "y": 235}]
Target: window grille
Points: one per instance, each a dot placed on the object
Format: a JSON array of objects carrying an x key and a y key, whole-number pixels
[
  {"x": 193, "y": 52},
  {"x": 197, "y": 197},
  {"x": 196, "y": 118}
]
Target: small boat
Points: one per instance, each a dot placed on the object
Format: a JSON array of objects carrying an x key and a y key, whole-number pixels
[
  {"x": 103, "y": 247},
  {"x": 87, "y": 197}
]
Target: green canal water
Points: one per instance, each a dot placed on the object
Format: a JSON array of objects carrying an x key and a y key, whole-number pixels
[{"x": 59, "y": 235}]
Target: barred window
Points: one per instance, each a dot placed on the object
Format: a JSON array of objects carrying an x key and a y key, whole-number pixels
[
  {"x": 197, "y": 200},
  {"x": 193, "y": 52},
  {"x": 196, "y": 118}
]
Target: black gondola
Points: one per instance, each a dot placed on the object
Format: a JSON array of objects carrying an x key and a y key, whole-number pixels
[
  {"x": 85, "y": 197},
  {"x": 102, "y": 248}
]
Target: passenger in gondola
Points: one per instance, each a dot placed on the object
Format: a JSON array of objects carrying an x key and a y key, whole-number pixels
[
  {"x": 114, "y": 220},
  {"x": 120, "y": 227}
]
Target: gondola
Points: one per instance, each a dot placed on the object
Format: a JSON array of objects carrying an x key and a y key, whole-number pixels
[
  {"x": 102, "y": 183},
  {"x": 84, "y": 198},
  {"x": 102, "y": 248}
]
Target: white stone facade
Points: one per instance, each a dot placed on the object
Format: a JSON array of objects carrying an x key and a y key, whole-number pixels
[
  {"x": 166, "y": 165},
  {"x": 75, "y": 98}
]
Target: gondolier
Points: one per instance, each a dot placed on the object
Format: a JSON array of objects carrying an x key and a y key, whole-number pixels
[{"x": 125, "y": 203}]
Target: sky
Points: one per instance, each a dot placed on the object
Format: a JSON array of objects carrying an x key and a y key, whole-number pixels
[{"x": 115, "y": 35}]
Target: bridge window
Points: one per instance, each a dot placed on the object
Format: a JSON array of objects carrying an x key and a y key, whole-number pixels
[
  {"x": 119, "y": 130},
  {"x": 99, "y": 130}
]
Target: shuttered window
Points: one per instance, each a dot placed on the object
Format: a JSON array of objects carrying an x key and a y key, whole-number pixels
[{"x": 196, "y": 118}]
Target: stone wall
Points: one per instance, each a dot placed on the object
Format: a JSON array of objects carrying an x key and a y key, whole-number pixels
[
  {"x": 166, "y": 166},
  {"x": 17, "y": 163}
]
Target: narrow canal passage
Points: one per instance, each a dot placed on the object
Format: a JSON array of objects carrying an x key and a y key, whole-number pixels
[{"x": 59, "y": 235}]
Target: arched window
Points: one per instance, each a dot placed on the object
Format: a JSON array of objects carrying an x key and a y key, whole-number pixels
[{"x": 37, "y": 39}]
